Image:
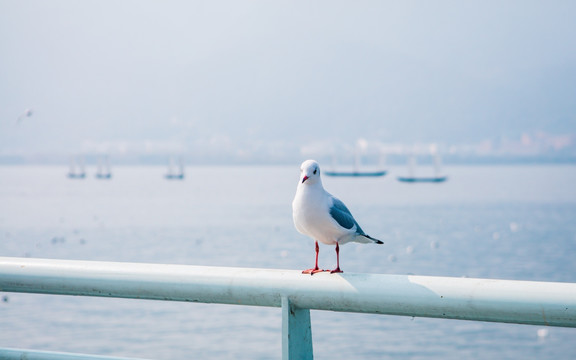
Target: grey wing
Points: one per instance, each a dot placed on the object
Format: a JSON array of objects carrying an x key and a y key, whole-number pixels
[{"x": 343, "y": 217}]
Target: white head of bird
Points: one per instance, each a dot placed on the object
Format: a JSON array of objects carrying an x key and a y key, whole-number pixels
[{"x": 310, "y": 173}]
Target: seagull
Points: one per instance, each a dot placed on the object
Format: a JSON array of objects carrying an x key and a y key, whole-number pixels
[{"x": 323, "y": 217}]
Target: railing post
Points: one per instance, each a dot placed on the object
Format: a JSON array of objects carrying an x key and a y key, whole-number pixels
[{"x": 296, "y": 332}]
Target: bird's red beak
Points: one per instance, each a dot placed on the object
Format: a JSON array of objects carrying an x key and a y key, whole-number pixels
[{"x": 304, "y": 179}]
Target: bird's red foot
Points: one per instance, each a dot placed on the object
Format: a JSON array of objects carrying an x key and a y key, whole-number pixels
[
  {"x": 337, "y": 270},
  {"x": 312, "y": 271}
]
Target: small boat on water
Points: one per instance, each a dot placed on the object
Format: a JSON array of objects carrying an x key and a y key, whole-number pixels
[
  {"x": 172, "y": 175},
  {"x": 356, "y": 172},
  {"x": 103, "y": 171},
  {"x": 431, "y": 179},
  {"x": 76, "y": 169},
  {"x": 412, "y": 178}
]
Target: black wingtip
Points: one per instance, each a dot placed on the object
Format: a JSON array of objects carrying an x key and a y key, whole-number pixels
[{"x": 375, "y": 240}]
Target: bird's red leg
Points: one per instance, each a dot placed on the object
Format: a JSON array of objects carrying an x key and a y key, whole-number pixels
[
  {"x": 316, "y": 268},
  {"x": 337, "y": 270}
]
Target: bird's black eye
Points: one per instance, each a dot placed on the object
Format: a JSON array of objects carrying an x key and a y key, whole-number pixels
[{"x": 315, "y": 171}]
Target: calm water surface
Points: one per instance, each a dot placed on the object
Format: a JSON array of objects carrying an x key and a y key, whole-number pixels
[{"x": 515, "y": 222}]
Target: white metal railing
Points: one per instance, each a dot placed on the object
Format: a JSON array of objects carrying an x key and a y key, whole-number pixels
[
  {"x": 508, "y": 301},
  {"x": 20, "y": 354}
]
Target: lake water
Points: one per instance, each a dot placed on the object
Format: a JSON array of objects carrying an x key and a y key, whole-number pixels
[{"x": 505, "y": 222}]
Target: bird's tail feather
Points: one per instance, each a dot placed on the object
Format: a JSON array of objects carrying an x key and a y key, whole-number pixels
[{"x": 373, "y": 239}]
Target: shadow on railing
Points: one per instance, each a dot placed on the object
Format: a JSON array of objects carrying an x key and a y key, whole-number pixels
[{"x": 508, "y": 301}]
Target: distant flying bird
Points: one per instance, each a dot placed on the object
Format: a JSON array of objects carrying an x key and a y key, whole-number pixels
[
  {"x": 25, "y": 114},
  {"x": 323, "y": 217}
]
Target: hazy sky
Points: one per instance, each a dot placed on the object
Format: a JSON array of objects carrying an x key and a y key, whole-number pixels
[{"x": 180, "y": 76}]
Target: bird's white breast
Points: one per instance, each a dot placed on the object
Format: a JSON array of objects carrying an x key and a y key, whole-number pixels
[{"x": 311, "y": 214}]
